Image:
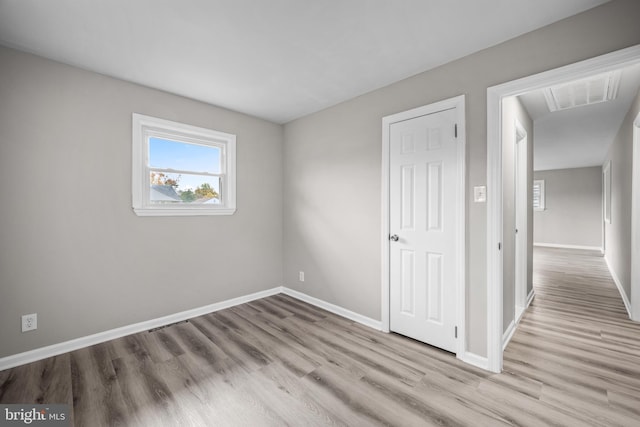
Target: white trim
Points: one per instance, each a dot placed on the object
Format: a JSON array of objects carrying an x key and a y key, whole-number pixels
[
  {"x": 461, "y": 288},
  {"x": 385, "y": 214},
  {"x": 183, "y": 211},
  {"x": 506, "y": 336},
  {"x": 335, "y": 309},
  {"x": 521, "y": 310},
  {"x": 82, "y": 342},
  {"x": 530, "y": 298},
  {"x": 147, "y": 126},
  {"x": 561, "y": 246},
  {"x": 458, "y": 103},
  {"x": 635, "y": 222},
  {"x": 495, "y": 95},
  {"x": 475, "y": 360},
  {"x": 616, "y": 280},
  {"x": 494, "y": 230}
]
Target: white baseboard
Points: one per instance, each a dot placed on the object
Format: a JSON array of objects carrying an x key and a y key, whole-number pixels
[
  {"x": 475, "y": 360},
  {"x": 616, "y": 280},
  {"x": 506, "y": 336},
  {"x": 78, "y": 343},
  {"x": 336, "y": 309},
  {"x": 556, "y": 245},
  {"x": 82, "y": 342},
  {"x": 530, "y": 297},
  {"x": 519, "y": 312}
]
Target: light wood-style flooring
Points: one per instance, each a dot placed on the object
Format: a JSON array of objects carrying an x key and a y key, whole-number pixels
[{"x": 574, "y": 361}]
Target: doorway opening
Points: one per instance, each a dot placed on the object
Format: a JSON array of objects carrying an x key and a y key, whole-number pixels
[{"x": 498, "y": 214}]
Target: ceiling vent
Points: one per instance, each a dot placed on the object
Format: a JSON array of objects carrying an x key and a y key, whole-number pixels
[{"x": 592, "y": 90}]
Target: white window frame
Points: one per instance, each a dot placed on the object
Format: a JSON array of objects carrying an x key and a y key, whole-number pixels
[
  {"x": 541, "y": 200},
  {"x": 145, "y": 127}
]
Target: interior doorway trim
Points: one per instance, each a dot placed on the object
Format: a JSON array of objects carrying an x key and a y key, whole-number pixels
[
  {"x": 495, "y": 95},
  {"x": 457, "y": 103},
  {"x": 635, "y": 222}
]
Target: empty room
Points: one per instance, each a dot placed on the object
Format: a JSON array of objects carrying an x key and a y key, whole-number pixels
[{"x": 213, "y": 213}]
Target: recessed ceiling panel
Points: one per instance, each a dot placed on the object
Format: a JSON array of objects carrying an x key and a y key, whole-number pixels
[{"x": 592, "y": 90}]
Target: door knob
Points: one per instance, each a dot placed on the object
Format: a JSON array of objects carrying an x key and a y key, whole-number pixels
[{"x": 394, "y": 238}]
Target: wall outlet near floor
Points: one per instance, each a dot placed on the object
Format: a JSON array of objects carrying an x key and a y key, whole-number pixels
[
  {"x": 301, "y": 276},
  {"x": 29, "y": 322}
]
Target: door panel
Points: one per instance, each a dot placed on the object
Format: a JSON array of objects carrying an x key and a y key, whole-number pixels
[
  {"x": 408, "y": 282},
  {"x": 423, "y": 186}
]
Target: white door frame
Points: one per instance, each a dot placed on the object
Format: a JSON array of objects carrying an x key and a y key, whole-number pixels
[
  {"x": 495, "y": 95},
  {"x": 457, "y": 103},
  {"x": 635, "y": 222}
]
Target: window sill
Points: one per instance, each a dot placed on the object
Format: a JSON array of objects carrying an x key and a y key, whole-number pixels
[{"x": 182, "y": 211}]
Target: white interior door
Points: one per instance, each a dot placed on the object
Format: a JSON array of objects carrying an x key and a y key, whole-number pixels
[
  {"x": 423, "y": 227},
  {"x": 521, "y": 198}
]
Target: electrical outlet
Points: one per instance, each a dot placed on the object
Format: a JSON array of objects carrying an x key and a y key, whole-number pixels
[
  {"x": 301, "y": 276},
  {"x": 29, "y": 322}
]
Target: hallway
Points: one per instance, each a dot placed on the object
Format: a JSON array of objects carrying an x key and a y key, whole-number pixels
[{"x": 575, "y": 347}]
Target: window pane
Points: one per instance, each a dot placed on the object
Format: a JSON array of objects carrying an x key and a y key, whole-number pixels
[
  {"x": 167, "y": 154},
  {"x": 171, "y": 188},
  {"x": 538, "y": 194}
]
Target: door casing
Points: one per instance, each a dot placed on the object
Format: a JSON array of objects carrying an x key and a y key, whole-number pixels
[
  {"x": 458, "y": 103},
  {"x": 635, "y": 222}
]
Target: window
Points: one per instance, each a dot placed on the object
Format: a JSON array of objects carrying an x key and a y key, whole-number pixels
[
  {"x": 538, "y": 195},
  {"x": 180, "y": 169}
]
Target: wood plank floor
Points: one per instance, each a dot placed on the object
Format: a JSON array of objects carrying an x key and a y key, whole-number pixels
[{"x": 574, "y": 361}]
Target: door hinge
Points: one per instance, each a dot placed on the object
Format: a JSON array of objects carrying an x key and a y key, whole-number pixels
[
  {"x": 456, "y": 332},
  {"x": 455, "y": 130}
]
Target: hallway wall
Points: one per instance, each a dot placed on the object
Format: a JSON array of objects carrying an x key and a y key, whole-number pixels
[
  {"x": 618, "y": 233},
  {"x": 573, "y": 208},
  {"x": 512, "y": 110}
]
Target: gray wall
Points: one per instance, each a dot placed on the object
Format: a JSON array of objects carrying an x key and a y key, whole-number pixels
[
  {"x": 512, "y": 109},
  {"x": 618, "y": 233},
  {"x": 332, "y": 177},
  {"x": 573, "y": 207},
  {"x": 71, "y": 248}
]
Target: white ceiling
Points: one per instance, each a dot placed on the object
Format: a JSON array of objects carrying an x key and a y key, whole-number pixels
[
  {"x": 578, "y": 137},
  {"x": 277, "y": 59}
]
